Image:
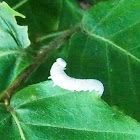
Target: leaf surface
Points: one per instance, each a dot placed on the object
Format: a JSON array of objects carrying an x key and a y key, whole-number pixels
[
  {"x": 110, "y": 52},
  {"x": 13, "y": 41},
  {"x": 47, "y": 112}
]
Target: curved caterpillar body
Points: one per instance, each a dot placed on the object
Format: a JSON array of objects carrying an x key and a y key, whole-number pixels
[{"x": 61, "y": 79}]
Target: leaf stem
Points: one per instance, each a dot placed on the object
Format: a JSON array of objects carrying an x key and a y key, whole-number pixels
[{"x": 40, "y": 57}]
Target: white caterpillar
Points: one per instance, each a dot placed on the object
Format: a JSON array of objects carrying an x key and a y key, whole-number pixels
[{"x": 61, "y": 79}]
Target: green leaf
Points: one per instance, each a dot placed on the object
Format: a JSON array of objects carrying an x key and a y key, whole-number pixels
[
  {"x": 43, "y": 112},
  {"x": 13, "y": 41},
  {"x": 110, "y": 52},
  {"x": 58, "y": 15}
]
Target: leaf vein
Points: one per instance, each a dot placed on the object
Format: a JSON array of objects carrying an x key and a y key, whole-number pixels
[
  {"x": 115, "y": 45},
  {"x": 108, "y": 14},
  {"x": 79, "y": 129},
  {"x": 124, "y": 29},
  {"x": 108, "y": 71}
]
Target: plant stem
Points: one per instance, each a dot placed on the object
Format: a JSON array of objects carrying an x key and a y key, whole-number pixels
[{"x": 40, "y": 57}]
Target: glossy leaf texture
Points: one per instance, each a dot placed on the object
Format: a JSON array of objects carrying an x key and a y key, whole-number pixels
[
  {"x": 109, "y": 50},
  {"x": 45, "y": 112},
  {"x": 13, "y": 41}
]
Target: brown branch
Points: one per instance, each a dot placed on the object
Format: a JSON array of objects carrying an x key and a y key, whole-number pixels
[{"x": 41, "y": 56}]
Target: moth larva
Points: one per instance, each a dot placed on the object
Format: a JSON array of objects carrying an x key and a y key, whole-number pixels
[{"x": 61, "y": 79}]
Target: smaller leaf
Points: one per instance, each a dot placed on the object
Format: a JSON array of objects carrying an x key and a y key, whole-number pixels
[
  {"x": 13, "y": 41},
  {"x": 12, "y": 36}
]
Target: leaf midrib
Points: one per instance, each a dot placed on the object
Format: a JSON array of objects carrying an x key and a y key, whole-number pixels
[
  {"x": 79, "y": 129},
  {"x": 37, "y": 99},
  {"x": 43, "y": 98},
  {"x": 18, "y": 125},
  {"x": 115, "y": 45}
]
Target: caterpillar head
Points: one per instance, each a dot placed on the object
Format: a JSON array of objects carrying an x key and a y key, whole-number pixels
[{"x": 61, "y": 62}]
